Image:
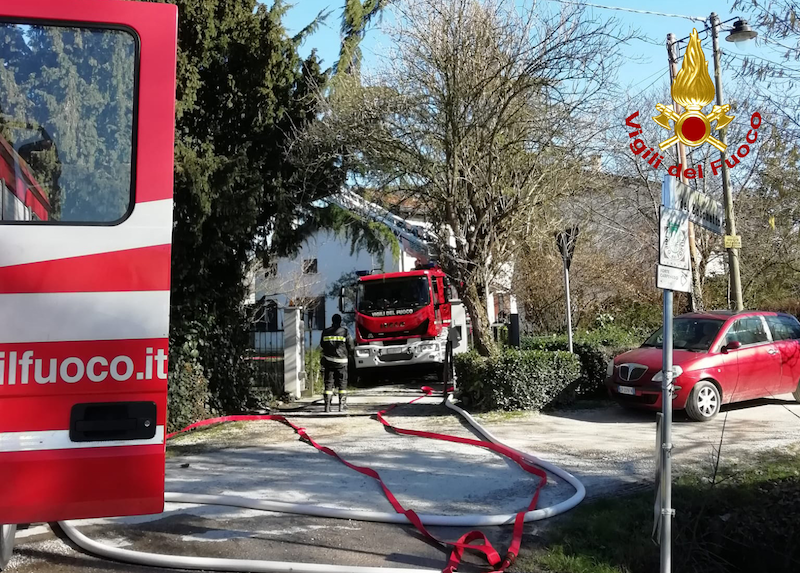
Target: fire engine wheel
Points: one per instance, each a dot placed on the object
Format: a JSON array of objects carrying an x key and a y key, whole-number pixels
[{"x": 6, "y": 544}]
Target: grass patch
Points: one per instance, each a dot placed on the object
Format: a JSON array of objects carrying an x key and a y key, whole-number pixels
[
  {"x": 745, "y": 522},
  {"x": 204, "y": 438},
  {"x": 501, "y": 416}
]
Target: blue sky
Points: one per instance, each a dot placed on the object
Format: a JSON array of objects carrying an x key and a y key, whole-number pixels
[{"x": 646, "y": 63}]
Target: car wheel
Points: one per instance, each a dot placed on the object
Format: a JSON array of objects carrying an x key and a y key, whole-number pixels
[
  {"x": 704, "y": 402},
  {"x": 7, "y": 533},
  {"x": 796, "y": 393}
]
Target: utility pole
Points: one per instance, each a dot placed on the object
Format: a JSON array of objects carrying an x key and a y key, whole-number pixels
[
  {"x": 697, "y": 287},
  {"x": 727, "y": 197}
]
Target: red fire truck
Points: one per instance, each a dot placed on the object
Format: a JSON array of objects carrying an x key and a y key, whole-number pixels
[
  {"x": 403, "y": 322},
  {"x": 21, "y": 196},
  {"x": 84, "y": 288}
]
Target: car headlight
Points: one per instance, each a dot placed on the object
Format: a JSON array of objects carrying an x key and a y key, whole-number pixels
[
  {"x": 429, "y": 348},
  {"x": 676, "y": 371},
  {"x": 362, "y": 353},
  {"x": 610, "y": 369}
]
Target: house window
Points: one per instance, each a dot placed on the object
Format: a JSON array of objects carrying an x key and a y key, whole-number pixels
[
  {"x": 271, "y": 316},
  {"x": 315, "y": 314},
  {"x": 266, "y": 318},
  {"x": 309, "y": 266},
  {"x": 271, "y": 270}
]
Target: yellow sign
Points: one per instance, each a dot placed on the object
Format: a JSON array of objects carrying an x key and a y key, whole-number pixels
[
  {"x": 693, "y": 89},
  {"x": 733, "y": 241}
]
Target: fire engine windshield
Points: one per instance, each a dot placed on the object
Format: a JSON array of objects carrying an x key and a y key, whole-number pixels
[{"x": 395, "y": 295}]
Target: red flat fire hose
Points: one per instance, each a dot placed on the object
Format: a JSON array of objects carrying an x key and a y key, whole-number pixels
[{"x": 466, "y": 542}]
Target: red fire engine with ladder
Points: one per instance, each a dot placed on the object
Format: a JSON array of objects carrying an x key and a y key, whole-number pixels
[{"x": 404, "y": 321}]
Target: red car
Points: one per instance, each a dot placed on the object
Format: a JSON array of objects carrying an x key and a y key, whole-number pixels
[{"x": 720, "y": 358}]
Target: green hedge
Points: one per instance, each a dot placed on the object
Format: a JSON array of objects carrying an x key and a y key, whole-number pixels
[
  {"x": 187, "y": 394},
  {"x": 593, "y": 349},
  {"x": 516, "y": 380}
]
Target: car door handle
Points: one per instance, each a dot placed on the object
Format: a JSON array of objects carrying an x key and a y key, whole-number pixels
[{"x": 772, "y": 351}]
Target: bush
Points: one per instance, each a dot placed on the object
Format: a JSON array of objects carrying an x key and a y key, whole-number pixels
[
  {"x": 516, "y": 380},
  {"x": 314, "y": 374},
  {"x": 594, "y": 349},
  {"x": 187, "y": 394}
]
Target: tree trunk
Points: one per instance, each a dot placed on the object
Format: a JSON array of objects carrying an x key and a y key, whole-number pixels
[{"x": 481, "y": 329}]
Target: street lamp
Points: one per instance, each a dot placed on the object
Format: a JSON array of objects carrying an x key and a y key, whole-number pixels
[{"x": 739, "y": 34}]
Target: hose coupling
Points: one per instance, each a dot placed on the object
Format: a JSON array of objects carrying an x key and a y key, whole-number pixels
[{"x": 508, "y": 561}]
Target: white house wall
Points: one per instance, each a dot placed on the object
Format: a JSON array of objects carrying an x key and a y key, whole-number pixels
[{"x": 333, "y": 260}]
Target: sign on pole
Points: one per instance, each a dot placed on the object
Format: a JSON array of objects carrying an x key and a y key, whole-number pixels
[
  {"x": 674, "y": 239},
  {"x": 566, "y": 243},
  {"x": 670, "y": 278},
  {"x": 733, "y": 241},
  {"x": 702, "y": 209}
]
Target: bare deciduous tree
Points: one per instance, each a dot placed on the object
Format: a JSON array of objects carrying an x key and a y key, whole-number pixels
[{"x": 486, "y": 112}]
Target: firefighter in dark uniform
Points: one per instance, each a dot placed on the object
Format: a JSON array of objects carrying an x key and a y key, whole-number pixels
[{"x": 337, "y": 346}]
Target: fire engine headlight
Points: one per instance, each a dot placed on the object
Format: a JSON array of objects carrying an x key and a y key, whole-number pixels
[
  {"x": 676, "y": 371},
  {"x": 429, "y": 348},
  {"x": 362, "y": 353}
]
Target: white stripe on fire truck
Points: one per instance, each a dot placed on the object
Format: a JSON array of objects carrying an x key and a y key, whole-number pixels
[
  {"x": 77, "y": 316},
  {"x": 150, "y": 224},
  {"x": 59, "y": 440}
]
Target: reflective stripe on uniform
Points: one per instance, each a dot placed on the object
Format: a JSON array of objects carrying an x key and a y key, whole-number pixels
[
  {"x": 336, "y": 360},
  {"x": 328, "y": 392},
  {"x": 342, "y": 391},
  {"x": 334, "y": 339}
]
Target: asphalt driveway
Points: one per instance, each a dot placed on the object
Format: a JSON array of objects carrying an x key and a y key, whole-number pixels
[{"x": 610, "y": 449}]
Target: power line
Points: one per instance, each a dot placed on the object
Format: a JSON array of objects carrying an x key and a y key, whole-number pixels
[
  {"x": 633, "y": 10},
  {"x": 650, "y": 77},
  {"x": 651, "y": 84},
  {"x": 767, "y": 60}
]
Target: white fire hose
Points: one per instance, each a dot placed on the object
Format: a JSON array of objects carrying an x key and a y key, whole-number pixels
[{"x": 259, "y": 566}]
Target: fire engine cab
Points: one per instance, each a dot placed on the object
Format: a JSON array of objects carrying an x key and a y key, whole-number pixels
[{"x": 404, "y": 321}]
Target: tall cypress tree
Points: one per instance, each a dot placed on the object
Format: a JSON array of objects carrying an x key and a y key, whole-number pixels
[{"x": 242, "y": 89}]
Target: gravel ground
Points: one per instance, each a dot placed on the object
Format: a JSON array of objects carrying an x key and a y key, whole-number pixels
[{"x": 610, "y": 449}]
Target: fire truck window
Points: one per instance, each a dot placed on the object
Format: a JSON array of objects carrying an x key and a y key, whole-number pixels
[{"x": 66, "y": 123}]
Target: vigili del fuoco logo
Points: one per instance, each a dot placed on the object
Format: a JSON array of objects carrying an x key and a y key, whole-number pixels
[{"x": 693, "y": 90}]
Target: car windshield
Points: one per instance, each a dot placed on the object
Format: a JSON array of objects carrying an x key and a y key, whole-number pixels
[
  {"x": 393, "y": 294},
  {"x": 695, "y": 334}
]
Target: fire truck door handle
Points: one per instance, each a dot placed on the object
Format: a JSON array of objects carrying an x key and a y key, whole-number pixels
[{"x": 112, "y": 421}]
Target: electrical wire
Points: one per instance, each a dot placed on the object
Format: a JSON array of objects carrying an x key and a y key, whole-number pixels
[
  {"x": 651, "y": 84},
  {"x": 632, "y": 10}
]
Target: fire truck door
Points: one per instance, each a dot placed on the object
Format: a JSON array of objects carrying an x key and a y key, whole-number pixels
[{"x": 87, "y": 102}]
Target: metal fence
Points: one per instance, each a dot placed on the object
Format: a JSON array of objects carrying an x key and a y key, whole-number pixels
[{"x": 267, "y": 358}]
